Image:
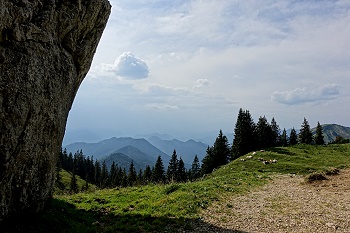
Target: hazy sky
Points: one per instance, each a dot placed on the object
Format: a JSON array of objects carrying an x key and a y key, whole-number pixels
[{"x": 185, "y": 67}]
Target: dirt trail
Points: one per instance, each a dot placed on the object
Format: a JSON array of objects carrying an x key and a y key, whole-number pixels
[{"x": 286, "y": 204}]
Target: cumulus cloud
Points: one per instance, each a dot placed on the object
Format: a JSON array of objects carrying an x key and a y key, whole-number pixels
[
  {"x": 200, "y": 83},
  {"x": 302, "y": 95},
  {"x": 128, "y": 66}
]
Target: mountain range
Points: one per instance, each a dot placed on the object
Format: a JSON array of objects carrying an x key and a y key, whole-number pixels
[{"x": 142, "y": 152}]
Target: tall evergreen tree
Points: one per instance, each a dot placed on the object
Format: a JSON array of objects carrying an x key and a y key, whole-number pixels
[
  {"x": 140, "y": 177},
  {"x": 244, "y": 140},
  {"x": 319, "y": 140},
  {"x": 284, "y": 138},
  {"x": 305, "y": 134},
  {"x": 208, "y": 162},
  {"x": 171, "y": 173},
  {"x": 263, "y": 133},
  {"x": 147, "y": 175},
  {"x": 73, "y": 187},
  {"x": 221, "y": 150},
  {"x": 158, "y": 171},
  {"x": 97, "y": 169},
  {"x": 132, "y": 175},
  {"x": 181, "y": 171},
  {"x": 293, "y": 137},
  {"x": 104, "y": 175},
  {"x": 124, "y": 180},
  {"x": 275, "y": 133},
  {"x": 113, "y": 175},
  {"x": 195, "y": 168}
]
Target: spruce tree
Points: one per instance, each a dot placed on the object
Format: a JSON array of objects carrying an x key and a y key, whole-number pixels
[
  {"x": 104, "y": 176},
  {"x": 244, "y": 139},
  {"x": 293, "y": 137},
  {"x": 158, "y": 171},
  {"x": 195, "y": 168},
  {"x": 319, "y": 140},
  {"x": 207, "y": 162},
  {"x": 113, "y": 175},
  {"x": 147, "y": 175},
  {"x": 275, "y": 133},
  {"x": 73, "y": 187},
  {"x": 221, "y": 150},
  {"x": 263, "y": 133},
  {"x": 97, "y": 169},
  {"x": 171, "y": 173},
  {"x": 284, "y": 138},
  {"x": 124, "y": 180},
  {"x": 181, "y": 171},
  {"x": 140, "y": 177},
  {"x": 305, "y": 134},
  {"x": 132, "y": 175}
]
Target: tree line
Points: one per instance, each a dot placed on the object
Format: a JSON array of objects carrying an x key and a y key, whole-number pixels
[
  {"x": 249, "y": 136},
  {"x": 97, "y": 173}
]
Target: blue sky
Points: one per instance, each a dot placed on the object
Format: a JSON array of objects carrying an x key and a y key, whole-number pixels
[{"x": 185, "y": 67}]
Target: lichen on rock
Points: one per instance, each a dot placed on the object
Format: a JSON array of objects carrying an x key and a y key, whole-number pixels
[{"x": 46, "y": 49}]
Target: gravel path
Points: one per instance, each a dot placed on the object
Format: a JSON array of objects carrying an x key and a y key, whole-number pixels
[{"x": 286, "y": 204}]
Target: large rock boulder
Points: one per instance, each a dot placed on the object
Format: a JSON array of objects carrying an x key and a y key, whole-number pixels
[{"x": 46, "y": 49}]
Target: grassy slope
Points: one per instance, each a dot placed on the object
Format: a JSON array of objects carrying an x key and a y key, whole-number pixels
[
  {"x": 66, "y": 179},
  {"x": 167, "y": 207}
]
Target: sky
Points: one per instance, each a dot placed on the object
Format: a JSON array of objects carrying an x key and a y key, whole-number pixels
[{"x": 186, "y": 67}]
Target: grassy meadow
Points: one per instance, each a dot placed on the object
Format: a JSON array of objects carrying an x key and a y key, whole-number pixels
[{"x": 172, "y": 207}]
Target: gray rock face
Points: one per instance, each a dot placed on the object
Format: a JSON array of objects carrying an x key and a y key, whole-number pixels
[{"x": 46, "y": 49}]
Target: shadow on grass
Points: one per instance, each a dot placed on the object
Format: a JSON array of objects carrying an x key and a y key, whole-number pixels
[{"x": 60, "y": 216}]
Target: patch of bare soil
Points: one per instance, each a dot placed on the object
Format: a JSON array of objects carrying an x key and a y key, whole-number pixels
[{"x": 286, "y": 204}]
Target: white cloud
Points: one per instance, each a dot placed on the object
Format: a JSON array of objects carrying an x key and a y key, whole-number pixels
[
  {"x": 161, "y": 106},
  {"x": 302, "y": 95},
  {"x": 201, "y": 83},
  {"x": 128, "y": 66}
]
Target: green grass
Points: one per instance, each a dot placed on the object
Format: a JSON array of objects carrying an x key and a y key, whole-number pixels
[
  {"x": 159, "y": 208},
  {"x": 66, "y": 178}
]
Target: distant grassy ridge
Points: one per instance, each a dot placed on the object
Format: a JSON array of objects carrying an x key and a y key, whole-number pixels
[{"x": 159, "y": 208}]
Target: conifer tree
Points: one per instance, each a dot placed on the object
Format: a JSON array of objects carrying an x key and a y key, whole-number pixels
[
  {"x": 244, "y": 140},
  {"x": 195, "y": 168},
  {"x": 284, "y": 138},
  {"x": 181, "y": 171},
  {"x": 305, "y": 134},
  {"x": 221, "y": 150},
  {"x": 140, "y": 177},
  {"x": 124, "y": 180},
  {"x": 275, "y": 133},
  {"x": 147, "y": 175},
  {"x": 113, "y": 175},
  {"x": 158, "y": 171},
  {"x": 86, "y": 184},
  {"x": 97, "y": 169},
  {"x": 171, "y": 173},
  {"x": 207, "y": 162},
  {"x": 104, "y": 175},
  {"x": 132, "y": 175},
  {"x": 293, "y": 137},
  {"x": 263, "y": 133},
  {"x": 319, "y": 140},
  {"x": 73, "y": 187}
]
